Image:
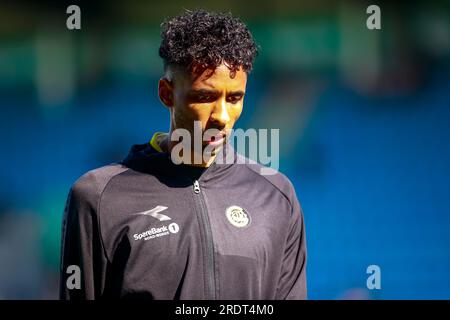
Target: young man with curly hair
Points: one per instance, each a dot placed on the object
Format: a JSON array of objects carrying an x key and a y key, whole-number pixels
[{"x": 150, "y": 228}]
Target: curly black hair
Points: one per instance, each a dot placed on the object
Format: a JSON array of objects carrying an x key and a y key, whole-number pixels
[{"x": 207, "y": 39}]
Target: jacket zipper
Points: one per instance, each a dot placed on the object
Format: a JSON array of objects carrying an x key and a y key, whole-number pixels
[{"x": 208, "y": 244}]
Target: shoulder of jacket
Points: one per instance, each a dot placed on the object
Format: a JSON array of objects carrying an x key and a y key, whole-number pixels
[
  {"x": 90, "y": 186},
  {"x": 276, "y": 179}
]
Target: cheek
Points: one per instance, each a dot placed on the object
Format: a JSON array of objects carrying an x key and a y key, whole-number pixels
[
  {"x": 235, "y": 111},
  {"x": 186, "y": 110},
  {"x": 200, "y": 112},
  {"x": 186, "y": 114}
]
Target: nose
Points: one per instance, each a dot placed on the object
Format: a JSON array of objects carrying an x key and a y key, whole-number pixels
[{"x": 220, "y": 114}]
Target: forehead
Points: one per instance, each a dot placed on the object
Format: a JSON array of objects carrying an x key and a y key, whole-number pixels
[{"x": 219, "y": 79}]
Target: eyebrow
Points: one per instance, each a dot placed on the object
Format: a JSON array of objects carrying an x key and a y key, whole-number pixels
[
  {"x": 206, "y": 92},
  {"x": 203, "y": 91},
  {"x": 236, "y": 93}
]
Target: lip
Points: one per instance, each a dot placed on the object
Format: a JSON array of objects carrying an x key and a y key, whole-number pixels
[{"x": 218, "y": 140}]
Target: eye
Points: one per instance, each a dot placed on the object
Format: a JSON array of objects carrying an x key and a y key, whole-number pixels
[
  {"x": 234, "y": 98},
  {"x": 202, "y": 97}
]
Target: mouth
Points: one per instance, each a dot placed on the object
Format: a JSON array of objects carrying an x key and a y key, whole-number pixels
[{"x": 216, "y": 140}]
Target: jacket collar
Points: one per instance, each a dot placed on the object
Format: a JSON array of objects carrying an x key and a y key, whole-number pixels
[{"x": 150, "y": 158}]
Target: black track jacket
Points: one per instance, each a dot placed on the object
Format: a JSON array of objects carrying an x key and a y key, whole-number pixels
[{"x": 147, "y": 228}]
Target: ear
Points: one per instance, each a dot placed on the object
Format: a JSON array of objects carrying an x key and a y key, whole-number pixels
[{"x": 165, "y": 92}]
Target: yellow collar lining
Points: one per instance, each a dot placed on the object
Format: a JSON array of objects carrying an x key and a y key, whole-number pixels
[{"x": 154, "y": 142}]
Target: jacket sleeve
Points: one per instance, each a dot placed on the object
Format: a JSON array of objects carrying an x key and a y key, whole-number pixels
[
  {"x": 83, "y": 259},
  {"x": 292, "y": 282}
]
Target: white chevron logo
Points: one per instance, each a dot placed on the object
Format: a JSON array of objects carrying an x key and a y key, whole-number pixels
[{"x": 155, "y": 213}]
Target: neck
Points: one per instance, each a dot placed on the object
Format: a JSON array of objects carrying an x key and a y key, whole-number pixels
[{"x": 167, "y": 145}]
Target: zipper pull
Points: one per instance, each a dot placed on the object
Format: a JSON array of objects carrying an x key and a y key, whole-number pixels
[{"x": 196, "y": 187}]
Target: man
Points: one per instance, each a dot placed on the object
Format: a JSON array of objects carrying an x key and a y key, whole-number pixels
[{"x": 150, "y": 228}]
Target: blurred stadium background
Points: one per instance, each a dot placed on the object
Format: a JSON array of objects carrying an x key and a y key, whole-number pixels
[{"x": 364, "y": 118}]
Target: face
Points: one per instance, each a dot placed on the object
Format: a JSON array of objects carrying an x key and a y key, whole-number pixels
[{"x": 212, "y": 97}]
